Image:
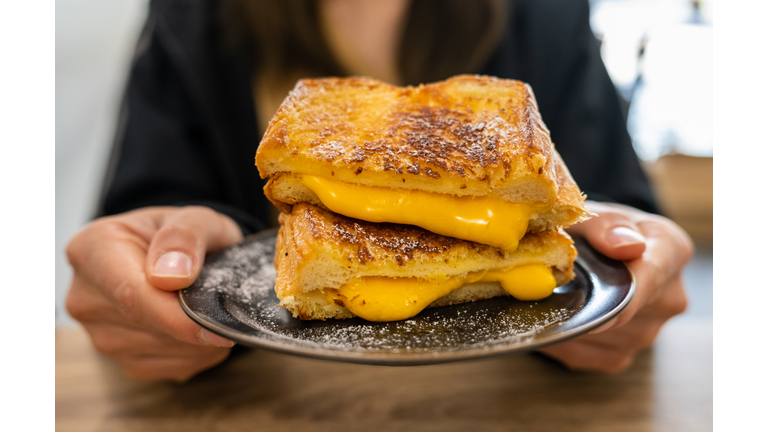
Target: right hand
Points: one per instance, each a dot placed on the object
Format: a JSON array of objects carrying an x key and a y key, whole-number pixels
[{"x": 126, "y": 269}]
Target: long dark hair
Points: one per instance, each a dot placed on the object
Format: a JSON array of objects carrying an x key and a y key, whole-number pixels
[{"x": 440, "y": 38}]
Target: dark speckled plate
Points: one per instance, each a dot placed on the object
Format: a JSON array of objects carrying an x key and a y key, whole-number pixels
[{"x": 234, "y": 297}]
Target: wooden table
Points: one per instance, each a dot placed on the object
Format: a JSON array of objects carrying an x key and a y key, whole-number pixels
[{"x": 669, "y": 388}]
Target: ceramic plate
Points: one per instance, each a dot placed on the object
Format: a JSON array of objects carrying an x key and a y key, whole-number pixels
[{"x": 234, "y": 297}]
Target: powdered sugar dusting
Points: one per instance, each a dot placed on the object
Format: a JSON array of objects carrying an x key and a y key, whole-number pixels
[
  {"x": 242, "y": 273},
  {"x": 434, "y": 330}
]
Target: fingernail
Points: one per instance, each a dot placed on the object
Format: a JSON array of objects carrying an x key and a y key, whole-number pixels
[
  {"x": 623, "y": 236},
  {"x": 173, "y": 264},
  {"x": 214, "y": 339}
]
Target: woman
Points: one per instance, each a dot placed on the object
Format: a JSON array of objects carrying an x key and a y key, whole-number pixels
[{"x": 207, "y": 78}]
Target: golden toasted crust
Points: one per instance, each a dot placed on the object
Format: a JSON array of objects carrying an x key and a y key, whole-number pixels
[
  {"x": 319, "y": 250},
  {"x": 478, "y": 135}
]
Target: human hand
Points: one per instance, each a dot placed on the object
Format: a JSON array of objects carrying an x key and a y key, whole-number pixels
[
  {"x": 655, "y": 249},
  {"x": 126, "y": 269}
]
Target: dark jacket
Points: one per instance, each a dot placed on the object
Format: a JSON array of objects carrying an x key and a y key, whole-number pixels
[{"x": 188, "y": 131}]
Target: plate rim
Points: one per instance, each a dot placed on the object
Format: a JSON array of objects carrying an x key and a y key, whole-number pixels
[{"x": 406, "y": 358}]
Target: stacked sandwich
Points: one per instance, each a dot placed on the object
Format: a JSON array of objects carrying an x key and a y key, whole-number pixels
[{"x": 394, "y": 199}]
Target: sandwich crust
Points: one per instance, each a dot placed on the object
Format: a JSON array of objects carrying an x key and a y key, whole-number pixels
[
  {"x": 318, "y": 251},
  {"x": 477, "y": 135}
]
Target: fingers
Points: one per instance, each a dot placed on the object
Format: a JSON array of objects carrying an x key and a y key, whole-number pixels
[
  {"x": 178, "y": 369},
  {"x": 160, "y": 311},
  {"x": 630, "y": 338},
  {"x": 109, "y": 258},
  {"x": 672, "y": 302},
  {"x": 613, "y": 232},
  {"x": 177, "y": 251},
  {"x": 120, "y": 341},
  {"x": 613, "y": 351},
  {"x": 584, "y": 356},
  {"x": 610, "y": 351},
  {"x": 156, "y": 310},
  {"x": 128, "y": 318},
  {"x": 86, "y": 304},
  {"x": 656, "y": 250},
  {"x": 658, "y": 272}
]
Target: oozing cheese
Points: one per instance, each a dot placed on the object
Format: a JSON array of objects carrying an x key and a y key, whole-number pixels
[
  {"x": 487, "y": 220},
  {"x": 392, "y": 299}
]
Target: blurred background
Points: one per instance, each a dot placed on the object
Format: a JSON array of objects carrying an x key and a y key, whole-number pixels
[{"x": 657, "y": 52}]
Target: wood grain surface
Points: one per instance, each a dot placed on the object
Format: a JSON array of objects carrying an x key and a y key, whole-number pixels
[{"x": 669, "y": 388}]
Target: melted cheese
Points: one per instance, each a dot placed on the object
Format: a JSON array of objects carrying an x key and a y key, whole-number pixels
[
  {"x": 392, "y": 299},
  {"x": 486, "y": 220},
  {"x": 526, "y": 282}
]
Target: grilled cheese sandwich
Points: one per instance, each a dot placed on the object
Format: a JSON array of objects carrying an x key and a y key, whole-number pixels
[{"x": 394, "y": 199}]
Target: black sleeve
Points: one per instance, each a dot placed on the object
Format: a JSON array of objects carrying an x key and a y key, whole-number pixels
[
  {"x": 550, "y": 45},
  {"x": 164, "y": 152}
]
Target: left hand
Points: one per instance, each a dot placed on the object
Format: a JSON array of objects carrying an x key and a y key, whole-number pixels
[{"x": 655, "y": 249}]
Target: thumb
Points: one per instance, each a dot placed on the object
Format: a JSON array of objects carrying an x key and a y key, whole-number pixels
[
  {"x": 177, "y": 251},
  {"x": 612, "y": 232}
]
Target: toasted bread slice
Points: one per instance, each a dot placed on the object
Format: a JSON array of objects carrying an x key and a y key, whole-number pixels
[
  {"x": 466, "y": 136},
  {"x": 319, "y": 251}
]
